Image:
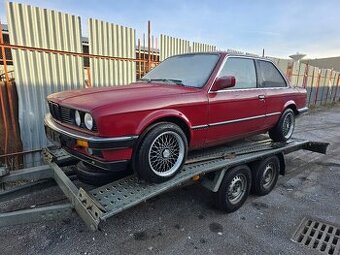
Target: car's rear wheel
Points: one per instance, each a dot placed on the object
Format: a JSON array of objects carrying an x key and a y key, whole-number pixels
[
  {"x": 161, "y": 153},
  {"x": 284, "y": 129}
]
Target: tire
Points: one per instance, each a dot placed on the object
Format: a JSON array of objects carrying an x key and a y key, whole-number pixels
[
  {"x": 157, "y": 159},
  {"x": 284, "y": 129},
  {"x": 95, "y": 176},
  {"x": 265, "y": 175},
  {"x": 231, "y": 196}
]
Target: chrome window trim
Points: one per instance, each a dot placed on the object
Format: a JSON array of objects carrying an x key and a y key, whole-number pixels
[
  {"x": 51, "y": 124},
  {"x": 248, "y": 57},
  {"x": 236, "y": 120}
]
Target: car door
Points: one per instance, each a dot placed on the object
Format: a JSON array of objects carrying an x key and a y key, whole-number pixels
[
  {"x": 238, "y": 111},
  {"x": 277, "y": 92}
]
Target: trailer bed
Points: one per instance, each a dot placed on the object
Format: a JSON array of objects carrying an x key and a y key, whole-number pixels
[{"x": 96, "y": 205}]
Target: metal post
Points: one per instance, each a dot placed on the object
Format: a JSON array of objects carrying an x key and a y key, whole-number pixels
[
  {"x": 4, "y": 117},
  {"x": 330, "y": 77},
  {"x": 89, "y": 83},
  {"x": 305, "y": 76},
  {"x": 144, "y": 57},
  {"x": 3, "y": 53},
  {"x": 149, "y": 44},
  {"x": 336, "y": 88},
  {"x": 311, "y": 87},
  {"x": 140, "y": 62},
  {"x": 317, "y": 87}
]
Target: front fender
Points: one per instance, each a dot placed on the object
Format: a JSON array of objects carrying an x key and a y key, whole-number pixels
[{"x": 161, "y": 114}]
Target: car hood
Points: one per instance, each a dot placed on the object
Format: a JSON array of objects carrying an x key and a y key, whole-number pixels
[{"x": 92, "y": 98}]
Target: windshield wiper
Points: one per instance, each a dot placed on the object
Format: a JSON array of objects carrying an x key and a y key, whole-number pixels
[{"x": 178, "y": 82}]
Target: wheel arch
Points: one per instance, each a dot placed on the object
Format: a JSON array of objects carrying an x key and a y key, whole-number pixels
[
  {"x": 291, "y": 105},
  {"x": 172, "y": 116}
]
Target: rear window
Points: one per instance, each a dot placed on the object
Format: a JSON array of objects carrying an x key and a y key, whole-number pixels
[{"x": 269, "y": 75}]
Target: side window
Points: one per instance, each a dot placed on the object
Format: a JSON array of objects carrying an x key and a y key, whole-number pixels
[
  {"x": 269, "y": 76},
  {"x": 244, "y": 71}
]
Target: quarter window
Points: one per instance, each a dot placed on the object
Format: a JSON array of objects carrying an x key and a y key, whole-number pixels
[
  {"x": 244, "y": 71},
  {"x": 269, "y": 76}
]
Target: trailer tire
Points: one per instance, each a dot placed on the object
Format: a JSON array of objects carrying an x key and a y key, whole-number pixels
[
  {"x": 234, "y": 189},
  {"x": 95, "y": 176},
  {"x": 284, "y": 129},
  {"x": 265, "y": 174}
]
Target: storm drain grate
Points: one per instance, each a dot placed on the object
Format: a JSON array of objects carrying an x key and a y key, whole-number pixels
[{"x": 318, "y": 235}]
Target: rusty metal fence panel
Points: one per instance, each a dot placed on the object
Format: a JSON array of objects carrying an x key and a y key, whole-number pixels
[
  {"x": 107, "y": 39},
  {"x": 170, "y": 46},
  {"x": 38, "y": 73},
  {"x": 202, "y": 47}
]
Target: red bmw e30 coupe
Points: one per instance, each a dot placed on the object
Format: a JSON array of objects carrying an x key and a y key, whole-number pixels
[{"x": 187, "y": 102}]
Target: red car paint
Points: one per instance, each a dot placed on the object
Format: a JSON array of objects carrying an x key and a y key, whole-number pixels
[{"x": 123, "y": 111}]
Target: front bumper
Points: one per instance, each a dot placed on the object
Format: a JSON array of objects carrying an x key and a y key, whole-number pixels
[{"x": 66, "y": 138}]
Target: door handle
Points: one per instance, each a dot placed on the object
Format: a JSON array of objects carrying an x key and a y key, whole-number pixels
[{"x": 262, "y": 97}]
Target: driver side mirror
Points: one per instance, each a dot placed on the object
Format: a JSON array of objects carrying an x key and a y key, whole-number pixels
[{"x": 223, "y": 83}]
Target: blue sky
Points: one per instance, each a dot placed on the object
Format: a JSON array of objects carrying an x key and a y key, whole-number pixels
[{"x": 280, "y": 27}]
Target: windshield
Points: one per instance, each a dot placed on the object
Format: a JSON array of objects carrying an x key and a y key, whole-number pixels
[{"x": 189, "y": 70}]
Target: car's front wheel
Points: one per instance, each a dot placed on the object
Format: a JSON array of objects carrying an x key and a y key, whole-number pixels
[
  {"x": 161, "y": 153},
  {"x": 284, "y": 129}
]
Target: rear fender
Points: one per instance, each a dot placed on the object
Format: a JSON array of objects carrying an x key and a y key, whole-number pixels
[{"x": 290, "y": 104}]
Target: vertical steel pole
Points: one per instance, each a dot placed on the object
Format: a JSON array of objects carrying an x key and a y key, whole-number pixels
[
  {"x": 330, "y": 76},
  {"x": 305, "y": 76},
  {"x": 144, "y": 56},
  {"x": 139, "y": 62},
  {"x": 89, "y": 83},
  {"x": 149, "y": 44},
  {"x": 8, "y": 86},
  {"x": 4, "y": 60},
  {"x": 317, "y": 87},
  {"x": 4, "y": 117},
  {"x": 311, "y": 87},
  {"x": 336, "y": 88},
  {"x": 152, "y": 50}
]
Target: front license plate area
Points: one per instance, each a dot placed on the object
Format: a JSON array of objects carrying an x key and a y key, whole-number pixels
[{"x": 53, "y": 136}]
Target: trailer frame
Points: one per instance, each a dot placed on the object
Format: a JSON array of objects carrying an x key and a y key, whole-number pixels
[{"x": 97, "y": 205}]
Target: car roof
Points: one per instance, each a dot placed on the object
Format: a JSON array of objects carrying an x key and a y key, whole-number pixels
[{"x": 226, "y": 53}]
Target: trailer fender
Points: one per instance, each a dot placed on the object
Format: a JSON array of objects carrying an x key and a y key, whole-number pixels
[{"x": 282, "y": 163}]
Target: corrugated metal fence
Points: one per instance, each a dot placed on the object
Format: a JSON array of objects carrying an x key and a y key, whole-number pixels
[
  {"x": 323, "y": 85},
  {"x": 170, "y": 46},
  {"x": 202, "y": 47},
  {"x": 116, "y": 41},
  {"x": 39, "y": 74}
]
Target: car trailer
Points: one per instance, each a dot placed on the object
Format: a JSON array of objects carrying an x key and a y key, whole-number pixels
[{"x": 210, "y": 168}]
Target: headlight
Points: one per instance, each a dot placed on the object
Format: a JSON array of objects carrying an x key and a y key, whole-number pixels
[
  {"x": 88, "y": 120},
  {"x": 77, "y": 118}
]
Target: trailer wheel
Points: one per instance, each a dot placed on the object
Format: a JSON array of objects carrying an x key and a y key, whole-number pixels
[
  {"x": 265, "y": 175},
  {"x": 234, "y": 189}
]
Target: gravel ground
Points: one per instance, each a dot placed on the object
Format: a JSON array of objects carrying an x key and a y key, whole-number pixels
[{"x": 184, "y": 221}]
